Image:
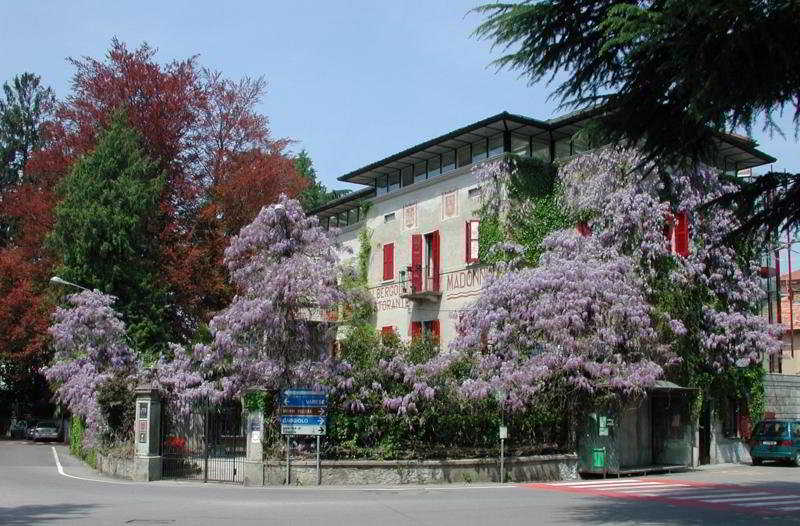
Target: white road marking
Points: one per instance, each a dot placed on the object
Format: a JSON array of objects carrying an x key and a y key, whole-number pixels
[
  {"x": 743, "y": 498},
  {"x": 699, "y": 496},
  {"x": 763, "y": 501},
  {"x": 61, "y": 472},
  {"x": 661, "y": 488},
  {"x": 617, "y": 485},
  {"x": 601, "y": 482},
  {"x": 787, "y": 508}
]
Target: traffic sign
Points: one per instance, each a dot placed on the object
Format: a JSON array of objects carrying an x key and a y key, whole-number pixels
[
  {"x": 303, "y": 412},
  {"x": 304, "y": 398}
]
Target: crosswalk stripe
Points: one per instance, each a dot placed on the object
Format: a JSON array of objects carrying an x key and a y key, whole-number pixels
[
  {"x": 616, "y": 485},
  {"x": 762, "y": 501},
  {"x": 661, "y": 488},
  {"x": 700, "y": 496},
  {"x": 751, "y": 496},
  {"x": 787, "y": 508},
  {"x": 604, "y": 481}
]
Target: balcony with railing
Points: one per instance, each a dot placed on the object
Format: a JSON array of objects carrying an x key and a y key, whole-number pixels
[{"x": 420, "y": 284}]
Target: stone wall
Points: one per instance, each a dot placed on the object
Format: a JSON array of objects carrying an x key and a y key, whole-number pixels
[
  {"x": 783, "y": 395},
  {"x": 119, "y": 467},
  {"x": 393, "y": 472}
]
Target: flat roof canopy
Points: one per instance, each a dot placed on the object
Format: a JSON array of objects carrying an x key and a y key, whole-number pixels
[{"x": 736, "y": 149}]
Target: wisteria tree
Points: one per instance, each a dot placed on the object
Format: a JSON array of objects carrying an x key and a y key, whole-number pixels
[
  {"x": 91, "y": 354},
  {"x": 284, "y": 267},
  {"x": 615, "y": 310}
]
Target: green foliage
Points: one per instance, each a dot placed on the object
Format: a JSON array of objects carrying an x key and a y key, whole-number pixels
[
  {"x": 657, "y": 74},
  {"x": 534, "y": 212},
  {"x": 77, "y": 432},
  {"x": 106, "y": 233},
  {"x": 117, "y": 403},
  {"x": 364, "y": 253},
  {"x": 257, "y": 401},
  {"x": 362, "y": 347},
  {"x": 315, "y": 194}
]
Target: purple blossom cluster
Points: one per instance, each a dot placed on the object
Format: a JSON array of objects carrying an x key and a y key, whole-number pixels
[
  {"x": 285, "y": 268},
  {"x": 90, "y": 348}
]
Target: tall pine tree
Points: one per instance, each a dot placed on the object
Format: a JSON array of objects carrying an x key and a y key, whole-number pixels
[{"x": 106, "y": 233}]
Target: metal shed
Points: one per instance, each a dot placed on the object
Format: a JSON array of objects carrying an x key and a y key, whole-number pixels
[{"x": 656, "y": 435}]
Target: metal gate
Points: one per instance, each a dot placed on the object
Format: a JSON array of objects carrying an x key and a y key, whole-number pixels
[{"x": 207, "y": 444}]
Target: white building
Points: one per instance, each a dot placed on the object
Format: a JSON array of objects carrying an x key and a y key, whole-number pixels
[{"x": 420, "y": 209}]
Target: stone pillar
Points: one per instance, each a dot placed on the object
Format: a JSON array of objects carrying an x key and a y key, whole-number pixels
[
  {"x": 254, "y": 460},
  {"x": 147, "y": 434}
]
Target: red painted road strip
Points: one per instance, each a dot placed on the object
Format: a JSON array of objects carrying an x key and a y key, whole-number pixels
[{"x": 680, "y": 493}]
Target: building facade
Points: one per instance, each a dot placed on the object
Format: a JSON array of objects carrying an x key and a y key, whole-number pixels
[{"x": 418, "y": 215}]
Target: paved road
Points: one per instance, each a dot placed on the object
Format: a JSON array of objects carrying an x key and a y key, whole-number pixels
[{"x": 32, "y": 491}]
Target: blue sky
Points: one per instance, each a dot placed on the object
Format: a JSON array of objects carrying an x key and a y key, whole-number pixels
[{"x": 352, "y": 82}]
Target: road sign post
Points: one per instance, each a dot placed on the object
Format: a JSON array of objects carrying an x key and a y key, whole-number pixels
[{"x": 303, "y": 412}]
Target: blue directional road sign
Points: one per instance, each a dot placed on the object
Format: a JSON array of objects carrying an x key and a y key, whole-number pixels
[
  {"x": 303, "y": 412},
  {"x": 303, "y": 398}
]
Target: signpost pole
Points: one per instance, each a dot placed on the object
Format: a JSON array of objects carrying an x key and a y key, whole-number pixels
[
  {"x": 319, "y": 475},
  {"x": 288, "y": 461},
  {"x": 502, "y": 460}
]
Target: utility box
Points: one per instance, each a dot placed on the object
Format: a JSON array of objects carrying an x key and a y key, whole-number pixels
[{"x": 655, "y": 435}]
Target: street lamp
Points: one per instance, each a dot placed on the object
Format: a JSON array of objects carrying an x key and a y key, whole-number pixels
[{"x": 56, "y": 279}]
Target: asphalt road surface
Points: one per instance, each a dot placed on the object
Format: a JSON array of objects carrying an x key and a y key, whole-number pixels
[{"x": 34, "y": 491}]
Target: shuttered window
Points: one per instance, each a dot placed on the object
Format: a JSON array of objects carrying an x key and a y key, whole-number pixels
[
  {"x": 388, "y": 261},
  {"x": 471, "y": 236},
  {"x": 416, "y": 329},
  {"x": 678, "y": 233},
  {"x": 583, "y": 229}
]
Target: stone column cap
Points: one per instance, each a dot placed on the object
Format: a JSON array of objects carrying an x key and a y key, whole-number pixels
[{"x": 146, "y": 389}]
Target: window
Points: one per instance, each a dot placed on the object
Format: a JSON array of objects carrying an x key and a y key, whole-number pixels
[
  {"x": 472, "y": 240},
  {"x": 677, "y": 232},
  {"x": 432, "y": 330},
  {"x": 541, "y": 150},
  {"x": 381, "y": 185},
  {"x": 479, "y": 151},
  {"x": 583, "y": 229},
  {"x": 386, "y": 333},
  {"x": 394, "y": 181},
  {"x": 519, "y": 144},
  {"x": 464, "y": 155},
  {"x": 388, "y": 261},
  {"x": 563, "y": 148},
  {"x": 496, "y": 145},
  {"x": 474, "y": 193},
  {"x": 407, "y": 175},
  {"x": 420, "y": 173},
  {"x": 433, "y": 167},
  {"x": 448, "y": 161},
  {"x": 388, "y": 217}
]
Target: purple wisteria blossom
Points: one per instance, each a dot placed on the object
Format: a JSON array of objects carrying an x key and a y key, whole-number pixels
[
  {"x": 285, "y": 268},
  {"x": 90, "y": 348}
]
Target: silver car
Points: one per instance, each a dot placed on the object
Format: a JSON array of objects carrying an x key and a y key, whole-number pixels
[{"x": 45, "y": 431}]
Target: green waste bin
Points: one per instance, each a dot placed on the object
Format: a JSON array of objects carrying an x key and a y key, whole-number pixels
[{"x": 599, "y": 457}]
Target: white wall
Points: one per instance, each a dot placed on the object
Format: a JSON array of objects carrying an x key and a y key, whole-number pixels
[{"x": 460, "y": 282}]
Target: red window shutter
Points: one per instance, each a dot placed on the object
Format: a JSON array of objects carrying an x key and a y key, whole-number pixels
[
  {"x": 416, "y": 329},
  {"x": 416, "y": 262},
  {"x": 436, "y": 330},
  {"x": 472, "y": 240},
  {"x": 388, "y": 261},
  {"x": 436, "y": 262},
  {"x": 682, "y": 234},
  {"x": 583, "y": 229},
  {"x": 467, "y": 243},
  {"x": 387, "y": 329}
]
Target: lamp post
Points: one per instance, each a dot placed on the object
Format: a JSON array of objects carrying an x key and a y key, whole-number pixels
[{"x": 56, "y": 279}]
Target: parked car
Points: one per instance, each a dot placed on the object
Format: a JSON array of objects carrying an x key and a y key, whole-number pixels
[
  {"x": 30, "y": 429},
  {"x": 776, "y": 440},
  {"x": 18, "y": 428}
]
